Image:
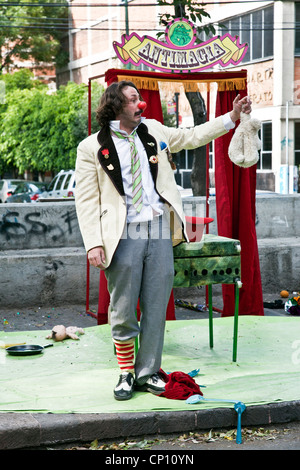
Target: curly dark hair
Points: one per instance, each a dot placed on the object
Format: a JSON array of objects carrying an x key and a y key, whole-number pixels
[{"x": 112, "y": 102}]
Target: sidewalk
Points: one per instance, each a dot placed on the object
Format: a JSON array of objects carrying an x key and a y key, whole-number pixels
[{"x": 21, "y": 430}]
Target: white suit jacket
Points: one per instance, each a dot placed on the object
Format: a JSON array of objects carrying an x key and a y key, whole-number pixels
[{"x": 100, "y": 198}]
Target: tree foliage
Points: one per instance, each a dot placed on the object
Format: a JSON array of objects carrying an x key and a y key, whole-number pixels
[
  {"x": 32, "y": 31},
  {"x": 193, "y": 10},
  {"x": 40, "y": 131}
]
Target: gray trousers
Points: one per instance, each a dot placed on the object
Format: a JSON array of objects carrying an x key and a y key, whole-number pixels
[{"x": 142, "y": 268}]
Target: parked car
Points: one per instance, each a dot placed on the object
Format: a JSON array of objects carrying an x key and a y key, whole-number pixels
[
  {"x": 62, "y": 185},
  {"x": 7, "y": 186},
  {"x": 27, "y": 191}
]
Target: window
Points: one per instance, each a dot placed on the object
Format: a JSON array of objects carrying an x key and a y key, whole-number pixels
[
  {"x": 265, "y": 154},
  {"x": 51, "y": 185},
  {"x": 297, "y": 27},
  {"x": 212, "y": 155},
  {"x": 257, "y": 43},
  {"x": 297, "y": 144},
  {"x": 184, "y": 159},
  {"x": 67, "y": 181},
  {"x": 268, "y": 32},
  {"x": 255, "y": 29},
  {"x": 245, "y": 35},
  {"x": 59, "y": 182},
  {"x": 21, "y": 188}
]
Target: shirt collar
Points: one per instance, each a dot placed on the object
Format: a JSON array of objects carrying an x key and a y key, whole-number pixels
[{"x": 115, "y": 126}]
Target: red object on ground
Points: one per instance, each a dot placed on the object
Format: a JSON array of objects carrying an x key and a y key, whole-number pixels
[{"x": 179, "y": 385}]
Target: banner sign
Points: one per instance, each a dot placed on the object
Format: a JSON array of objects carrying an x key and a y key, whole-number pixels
[{"x": 179, "y": 53}]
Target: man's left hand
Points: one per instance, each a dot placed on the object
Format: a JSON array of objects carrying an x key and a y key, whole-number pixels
[{"x": 239, "y": 106}]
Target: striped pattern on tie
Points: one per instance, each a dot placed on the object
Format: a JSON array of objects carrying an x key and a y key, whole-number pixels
[
  {"x": 137, "y": 199},
  {"x": 136, "y": 176}
]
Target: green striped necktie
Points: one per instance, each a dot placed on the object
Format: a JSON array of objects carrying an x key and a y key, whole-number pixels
[{"x": 135, "y": 170}]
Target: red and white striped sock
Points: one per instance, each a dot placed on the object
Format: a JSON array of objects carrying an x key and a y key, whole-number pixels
[{"x": 125, "y": 354}]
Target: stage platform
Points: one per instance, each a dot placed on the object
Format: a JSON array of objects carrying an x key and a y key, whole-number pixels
[{"x": 79, "y": 376}]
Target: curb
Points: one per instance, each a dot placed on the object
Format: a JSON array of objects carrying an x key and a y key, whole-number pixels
[{"x": 25, "y": 430}]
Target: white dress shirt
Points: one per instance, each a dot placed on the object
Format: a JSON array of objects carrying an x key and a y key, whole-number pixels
[{"x": 152, "y": 205}]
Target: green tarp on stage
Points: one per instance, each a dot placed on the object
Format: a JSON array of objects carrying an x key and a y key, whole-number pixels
[{"x": 79, "y": 376}]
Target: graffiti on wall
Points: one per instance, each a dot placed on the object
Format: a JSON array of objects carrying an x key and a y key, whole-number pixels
[{"x": 21, "y": 229}]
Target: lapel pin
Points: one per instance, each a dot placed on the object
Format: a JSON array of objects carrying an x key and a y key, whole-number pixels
[
  {"x": 105, "y": 153},
  {"x": 110, "y": 167}
]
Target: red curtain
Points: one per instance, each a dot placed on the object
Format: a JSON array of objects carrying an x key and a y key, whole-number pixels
[
  {"x": 153, "y": 111},
  {"x": 235, "y": 201}
]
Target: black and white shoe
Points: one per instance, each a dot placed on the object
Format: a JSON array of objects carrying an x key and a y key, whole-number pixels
[
  {"x": 124, "y": 388},
  {"x": 153, "y": 385}
]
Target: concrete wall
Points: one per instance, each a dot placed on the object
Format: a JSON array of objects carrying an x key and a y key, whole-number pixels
[
  {"x": 43, "y": 261},
  {"x": 42, "y": 258},
  {"x": 277, "y": 216}
]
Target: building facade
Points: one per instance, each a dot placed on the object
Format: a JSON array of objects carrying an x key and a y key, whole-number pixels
[
  {"x": 273, "y": 66},
  {"x": 272, "y": 62},
  {"x": 94, "y": 26}
]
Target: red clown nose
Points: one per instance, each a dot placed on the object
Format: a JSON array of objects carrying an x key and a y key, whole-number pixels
[{"x": 142, "y": 105}]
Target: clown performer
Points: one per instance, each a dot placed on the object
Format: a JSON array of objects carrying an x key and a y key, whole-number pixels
[{"x": 130, "y": 216}]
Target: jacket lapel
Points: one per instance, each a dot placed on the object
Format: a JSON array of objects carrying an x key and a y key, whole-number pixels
[
  {"x": 109, "y": 160},
  {"x": 150, "y": 146}
]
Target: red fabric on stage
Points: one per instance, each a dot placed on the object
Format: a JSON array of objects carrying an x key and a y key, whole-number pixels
[
  {"x": 179, "y": 385},
  {"x": 235, "y": 205}
]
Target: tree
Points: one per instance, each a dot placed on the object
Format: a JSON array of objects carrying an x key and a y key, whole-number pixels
[
  {"x": 193, "y": 11},
  {"x": 41, "y": 131},
  {"x": 11, "y": 84},
  {"x": 32, "y": 31}
]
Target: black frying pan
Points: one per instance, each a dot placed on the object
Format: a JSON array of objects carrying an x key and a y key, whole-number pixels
[{"x": 26, "y": 349}]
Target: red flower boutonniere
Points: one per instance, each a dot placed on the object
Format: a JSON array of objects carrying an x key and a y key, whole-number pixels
[
  {"x": 105, "y": 153},
  {"x": 153, "y": 159}
]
